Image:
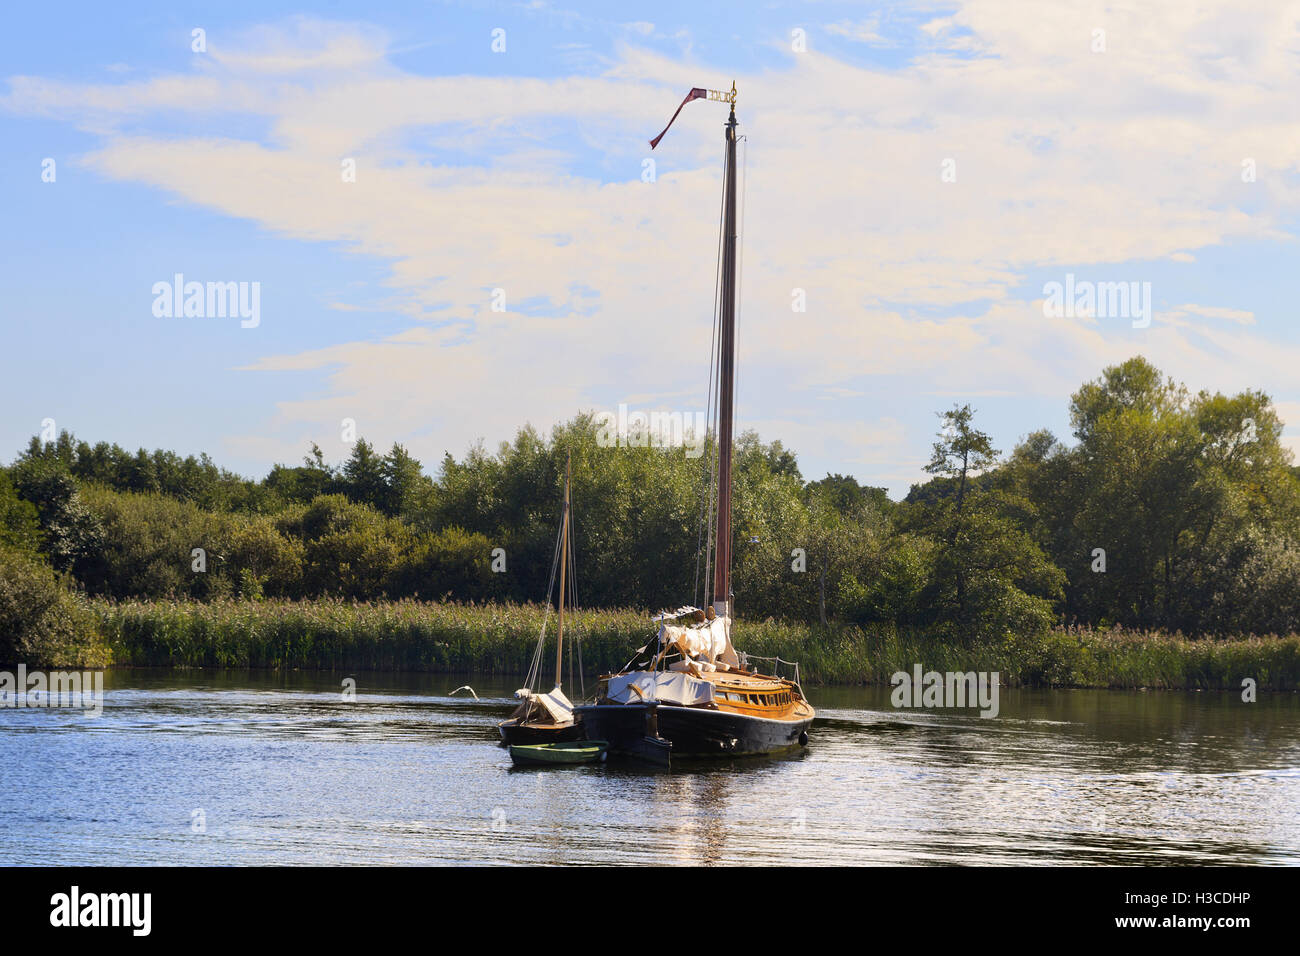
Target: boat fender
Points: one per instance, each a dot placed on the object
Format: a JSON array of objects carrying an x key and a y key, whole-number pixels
[{"x": 803, "y": 739}]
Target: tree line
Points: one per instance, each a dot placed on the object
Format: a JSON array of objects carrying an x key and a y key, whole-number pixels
[{"x": 1168, "y": 510}]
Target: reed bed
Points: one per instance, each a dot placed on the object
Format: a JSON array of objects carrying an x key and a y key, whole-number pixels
[{"x": 408, "y": 635}]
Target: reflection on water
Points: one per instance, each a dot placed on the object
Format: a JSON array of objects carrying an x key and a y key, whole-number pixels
[{"x": 286, "y": 772}]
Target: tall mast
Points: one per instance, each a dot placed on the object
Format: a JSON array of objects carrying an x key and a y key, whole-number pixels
[
  {"x": 726, "y": 376},
  {"x": 564, "y": 564}
]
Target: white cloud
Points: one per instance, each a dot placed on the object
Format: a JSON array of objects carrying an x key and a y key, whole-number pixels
[
  {"x": 1063, "y": 157},
  {"x": 1239, "y": 316},
  {"x": 860, "y": 31}
]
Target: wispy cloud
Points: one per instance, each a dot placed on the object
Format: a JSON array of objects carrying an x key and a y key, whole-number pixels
[
  {"x": 1059, "y": 157},
  {"x": 860, "y": 31}
]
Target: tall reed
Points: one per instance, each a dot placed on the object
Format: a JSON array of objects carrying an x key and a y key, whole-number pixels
[{"x": 408, "y": 635}]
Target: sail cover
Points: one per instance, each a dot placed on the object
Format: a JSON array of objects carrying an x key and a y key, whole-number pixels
[
  {"x": 555, "y": 705},
  {"x": 665, "y": 687}
]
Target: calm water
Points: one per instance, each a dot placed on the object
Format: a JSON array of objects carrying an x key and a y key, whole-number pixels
[{"x": 285, "y": 772}]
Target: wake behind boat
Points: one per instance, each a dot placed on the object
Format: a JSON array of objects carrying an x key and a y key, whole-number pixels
[{"x": 695, "y": 695}]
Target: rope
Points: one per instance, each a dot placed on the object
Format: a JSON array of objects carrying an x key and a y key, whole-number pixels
[{"x": 534, "y": 668}]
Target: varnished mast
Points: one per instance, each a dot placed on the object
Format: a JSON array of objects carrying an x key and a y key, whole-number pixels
[
  {"x": 564, "y": 564},
  {"x": 726, "y": 376}
]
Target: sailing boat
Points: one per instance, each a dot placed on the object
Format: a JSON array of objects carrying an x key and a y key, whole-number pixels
[
  {"x": 695, "y": 695},
  {"x": 547, "y": 718}
]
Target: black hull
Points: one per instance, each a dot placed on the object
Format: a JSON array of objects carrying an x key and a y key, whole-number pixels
[
  {"x": 513, "y": 732},
  {"x": 693, "y": 731}
]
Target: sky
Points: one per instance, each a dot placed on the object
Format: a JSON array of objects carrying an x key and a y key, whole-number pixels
[{"x": 917, "y": 175}]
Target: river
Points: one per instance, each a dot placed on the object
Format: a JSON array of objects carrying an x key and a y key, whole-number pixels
[{"x": 196, "y": 767}]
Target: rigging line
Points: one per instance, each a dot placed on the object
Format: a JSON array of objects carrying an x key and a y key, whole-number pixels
[
  {"x": 582, "y": 680},
  {"x": 550, "y": 591},
  {"x": 534, "y": 669},
  {"x": 705, "y": 530},
  {"x": 705, "y": 464},
  {"x": 710, "y": 553},
  {"x": 715, "y": 391},
  {"x": 577, "y": 632},
  {"x": 573, "y": 560},
  {"x": 714, "y": 476},
  {"x": 534, "y": 665},
  {"x": 740, "y": 277},
  {"x": 708, "y": 401},
  {"x": 573, "y": 597},
  {"x": 740, "y": 297},
  {"x": 564, "y": 518}
]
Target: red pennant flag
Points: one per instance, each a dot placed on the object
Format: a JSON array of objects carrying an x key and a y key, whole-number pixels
[{"x": 694, "y": 94}]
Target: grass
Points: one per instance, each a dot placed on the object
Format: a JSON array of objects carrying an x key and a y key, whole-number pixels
[{"x": 411, "y": 635}]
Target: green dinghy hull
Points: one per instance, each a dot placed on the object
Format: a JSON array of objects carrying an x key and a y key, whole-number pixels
[{"x": 567, "y": 752}]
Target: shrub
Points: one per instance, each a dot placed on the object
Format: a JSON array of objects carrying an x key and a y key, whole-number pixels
[{"x": 42, "y": 622}]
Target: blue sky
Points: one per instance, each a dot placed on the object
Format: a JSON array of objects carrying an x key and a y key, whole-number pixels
[{"x": 522, "y": 170}]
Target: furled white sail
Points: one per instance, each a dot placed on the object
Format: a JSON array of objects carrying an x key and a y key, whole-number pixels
[{"x": 708, "y": 644}]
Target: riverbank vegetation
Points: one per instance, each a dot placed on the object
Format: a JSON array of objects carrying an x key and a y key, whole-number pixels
[
  {"x": 347, "y": 637},
  {"x": 1169, "y": 513},
  {"x": 44, "y": 621}
]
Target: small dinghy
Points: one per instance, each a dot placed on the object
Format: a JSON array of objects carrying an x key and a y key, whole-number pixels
[{"x": 574, "y": 751}]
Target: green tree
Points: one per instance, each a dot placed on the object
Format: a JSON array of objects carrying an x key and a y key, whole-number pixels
[
  {"x": 20, "y": 525},
  {"x": 362, "y": 476},
  {"x": 148, "y": 544},
  {"x": 990, "y": 576},
  {"x": 405, "y": 484},
  {"x": 301, "y": 484},
  {"x": 961, "y": 450},
  {"x": 349, "y": 549},
  {"x": 73, "y": 536},
  {"x": 1178, "y": 491}
]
